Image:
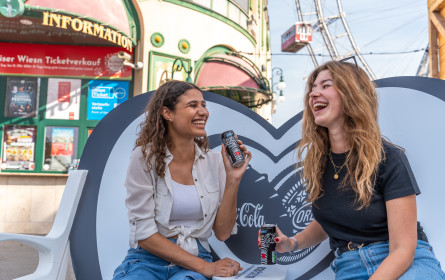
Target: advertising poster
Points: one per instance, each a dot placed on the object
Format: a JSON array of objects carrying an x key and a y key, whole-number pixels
[
  {"x": 63, "y": 99},
  {"x": 18, "y": 147},
  {"x": 21, "y": 97},
  {"x": 61, "y": 148},
  {"x": 104, "y": 96}
]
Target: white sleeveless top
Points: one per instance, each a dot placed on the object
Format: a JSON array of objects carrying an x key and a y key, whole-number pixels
[{"x": 186, "y": 208}]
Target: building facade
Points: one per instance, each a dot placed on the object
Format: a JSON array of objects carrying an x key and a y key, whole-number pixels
[{"x": 65, "y": 65}]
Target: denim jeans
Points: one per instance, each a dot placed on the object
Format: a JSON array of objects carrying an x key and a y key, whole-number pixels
[
  {"x": 141, "y": 264},
  {"x": 362, "y": 263}
]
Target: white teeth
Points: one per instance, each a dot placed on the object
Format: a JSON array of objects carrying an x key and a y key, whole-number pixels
[
  {"x": 320, "y": 105},
  {"x": 199, "y": 122}
]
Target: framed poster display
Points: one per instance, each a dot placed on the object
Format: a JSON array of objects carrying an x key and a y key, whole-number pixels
[
  {"x": 60, "y": 147},
  {"x": 63, "y": 99},
  {"x": 104, "y": 96},
  {"x": 21, "y": 97},
  {"x": 18, "y": 147}
]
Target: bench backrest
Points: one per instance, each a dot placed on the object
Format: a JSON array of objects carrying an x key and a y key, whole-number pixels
[{"x": 411, "y": 115}]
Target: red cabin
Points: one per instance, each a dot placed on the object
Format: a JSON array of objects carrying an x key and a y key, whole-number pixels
[{"x": 298, "y": 36}]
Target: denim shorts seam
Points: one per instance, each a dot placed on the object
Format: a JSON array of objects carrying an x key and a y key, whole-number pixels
[
  {"x": 364, "y": 256},
  {"x": 130, "y": 266}
]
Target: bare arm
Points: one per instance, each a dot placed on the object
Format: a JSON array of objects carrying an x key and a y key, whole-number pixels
[
  {"x": 312, "y": 235},
  {"x": 226, "y": 214},
  {"x": 402, "y": 223},
  {"x": 169, "y": 251}
]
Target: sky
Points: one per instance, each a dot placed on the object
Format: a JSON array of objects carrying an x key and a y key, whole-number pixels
[{"x": 395, "y": 32}]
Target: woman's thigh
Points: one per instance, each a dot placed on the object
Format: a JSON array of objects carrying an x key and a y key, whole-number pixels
[
  {"x": 179, "y": 273},
  {"x": 348, "y": 266},
  {"x": 425, "y": 264},
  {"x": 141, "y": 264},
  {"x": 360, "y": 264}
]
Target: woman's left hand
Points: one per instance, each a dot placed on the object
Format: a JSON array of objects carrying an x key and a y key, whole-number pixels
[{"x": 236, "y": 172}]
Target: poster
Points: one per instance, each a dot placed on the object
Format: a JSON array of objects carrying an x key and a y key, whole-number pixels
[
  {"x": 21, "y": 97},
  {"x": 104, "y": 96},
  {"x": 18, "y": 147},
  {"x": 60, "y": 148},
  {"x": 63, "y": 99}
]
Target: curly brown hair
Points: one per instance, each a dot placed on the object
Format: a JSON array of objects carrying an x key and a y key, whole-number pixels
[
  {"x": 362, "y": 130},
  {"x": 154, "y": 128}
]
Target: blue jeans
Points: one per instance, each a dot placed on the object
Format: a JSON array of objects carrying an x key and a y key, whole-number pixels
[
  {"x": 141, "y": 264},
  {"x": 362, "y": 263}
]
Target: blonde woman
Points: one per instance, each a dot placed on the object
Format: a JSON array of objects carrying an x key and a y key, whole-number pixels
[{"x": 362, "y": 189}]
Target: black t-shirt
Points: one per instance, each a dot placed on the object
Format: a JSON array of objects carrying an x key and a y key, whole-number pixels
[{"x": 336, "y": 211}]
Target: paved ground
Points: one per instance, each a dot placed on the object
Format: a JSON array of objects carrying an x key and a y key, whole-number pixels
[{"x": 17, "y": 260}]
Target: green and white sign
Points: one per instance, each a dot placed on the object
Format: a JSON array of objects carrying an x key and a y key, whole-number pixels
[{"x": 12, "y": 8}]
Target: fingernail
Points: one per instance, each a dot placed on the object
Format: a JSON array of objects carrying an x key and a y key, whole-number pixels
[{"x": 276, "y": 239}]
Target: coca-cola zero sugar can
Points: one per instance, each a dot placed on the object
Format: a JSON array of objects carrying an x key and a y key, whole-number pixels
[
  {"x": 233, "y": 150},
  {"x": 268, "y": 252}
]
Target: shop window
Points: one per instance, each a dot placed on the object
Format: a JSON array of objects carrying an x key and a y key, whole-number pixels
[
  {"x": 60, "y": 148},
  {"x": 19, "y": 144},
  {"x": 63, "y": 99},
  {"x": 21, "y": 97},
  {"x": 50, "y": 135}
]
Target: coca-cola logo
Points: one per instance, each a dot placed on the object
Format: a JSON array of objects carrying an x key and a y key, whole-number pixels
[
  {"x": 281, "y": 201},
  {"x": 248, "y": 215}
]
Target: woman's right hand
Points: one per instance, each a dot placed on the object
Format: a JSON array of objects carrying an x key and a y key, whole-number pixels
[
  {"x": 284, "y": 243},
  {"x": 225, "y": 267}
]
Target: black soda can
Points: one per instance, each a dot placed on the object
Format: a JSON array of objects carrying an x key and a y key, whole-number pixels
[
  {"x": 268, "y": 245},
  {"x": 233, "y": 150}
]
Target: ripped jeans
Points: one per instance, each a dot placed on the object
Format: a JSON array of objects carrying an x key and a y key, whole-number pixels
[{"x": 141, "y": 264}]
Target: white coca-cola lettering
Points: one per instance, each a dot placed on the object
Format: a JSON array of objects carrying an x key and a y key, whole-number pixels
[
  {"x": 303, "y": 216},
  {"x": 249, "y": 215}
]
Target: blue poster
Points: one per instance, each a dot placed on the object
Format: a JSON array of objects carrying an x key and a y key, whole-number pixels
[{"x": 104, "y": 96}]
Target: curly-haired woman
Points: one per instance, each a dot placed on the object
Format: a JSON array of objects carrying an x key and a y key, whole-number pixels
[
  {"x": 178, "y": 191},
  {"x": 362, "y": 189}
]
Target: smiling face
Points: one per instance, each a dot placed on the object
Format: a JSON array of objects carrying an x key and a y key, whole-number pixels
[
  {"x": 189, "y": 117},
  {"x": 325, "y": 102}
]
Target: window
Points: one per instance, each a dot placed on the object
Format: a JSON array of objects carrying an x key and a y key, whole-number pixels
[{"x": 49, "y": 136}]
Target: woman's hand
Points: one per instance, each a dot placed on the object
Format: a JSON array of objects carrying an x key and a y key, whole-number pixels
[
  {"x": 284, "y": 243},
  {"x": 225, "y": 267},
  {"x": 236, "y": 172}
]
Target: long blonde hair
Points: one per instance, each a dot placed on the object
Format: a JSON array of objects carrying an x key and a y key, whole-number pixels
[{"x": 360, "y": 106}]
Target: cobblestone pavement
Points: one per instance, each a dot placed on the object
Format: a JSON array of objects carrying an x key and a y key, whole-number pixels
[{"x": 17, "y": 260}]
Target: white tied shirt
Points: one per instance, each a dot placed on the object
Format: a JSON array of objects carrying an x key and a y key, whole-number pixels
[
  {"x": 186, "y": 207},
  {"x": 149, "y": 199}
]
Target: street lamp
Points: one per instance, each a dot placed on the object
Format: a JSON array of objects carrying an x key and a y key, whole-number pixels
[
  {"x": 281, "y": 85},
  {"x": 178, "y": 65}
]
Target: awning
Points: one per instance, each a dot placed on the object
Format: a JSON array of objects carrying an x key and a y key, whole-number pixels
[
  {"x": 234, "y": 76},
  {"x": 81, "y": 22}
]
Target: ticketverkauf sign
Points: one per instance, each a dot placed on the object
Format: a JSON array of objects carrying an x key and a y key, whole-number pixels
[{"x": 62, "y": 61}]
